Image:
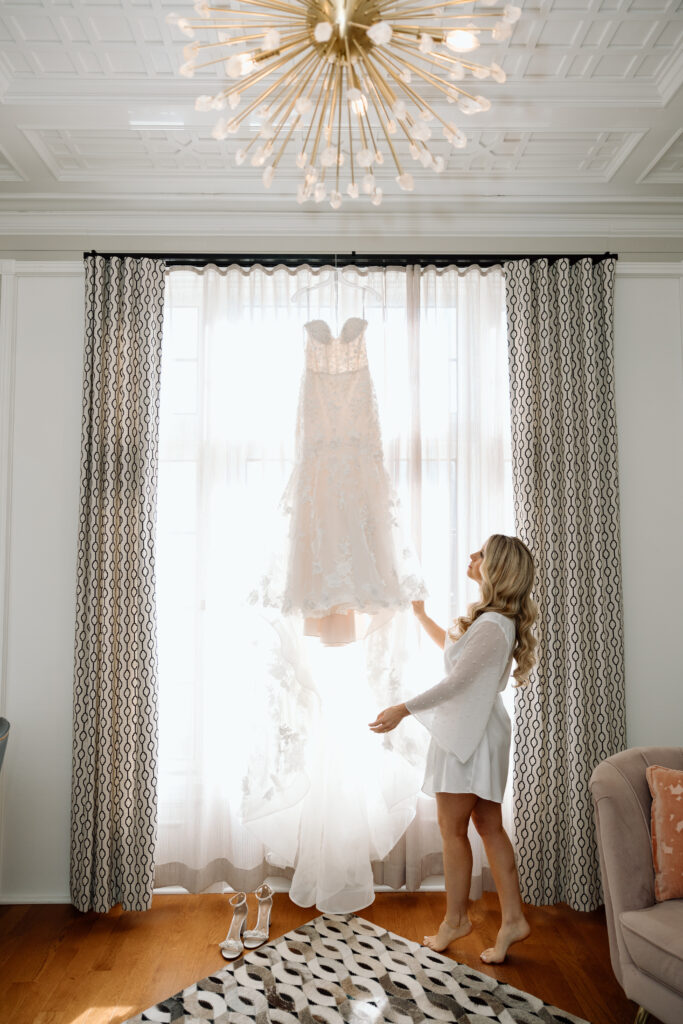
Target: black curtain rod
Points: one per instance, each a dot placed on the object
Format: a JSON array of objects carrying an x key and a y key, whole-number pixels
[{"x": 343, "y": 259}]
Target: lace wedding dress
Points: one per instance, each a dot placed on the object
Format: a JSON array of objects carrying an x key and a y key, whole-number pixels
[
  {"x": 323, "y": 793},
  {"x": 347, "y": 556}
]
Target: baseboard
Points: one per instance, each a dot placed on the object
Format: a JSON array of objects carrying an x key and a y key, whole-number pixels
[
  {"x": 433, "y": 883},
  {"x": 22, "y": 897}
]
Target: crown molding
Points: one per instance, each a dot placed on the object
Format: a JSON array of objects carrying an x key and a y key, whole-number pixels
[
  {"x": 42, "y": 268},
  {"x": 654, "y": 269},
  {"x": 354, "y": 225},
  {"x": 658, "y": 156},
  {"x": 82, "y": 90}
]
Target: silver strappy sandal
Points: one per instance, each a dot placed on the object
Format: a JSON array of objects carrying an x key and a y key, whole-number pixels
[
  {"x": 232, "y": 946},
  {"x": 256, "y": 936}
]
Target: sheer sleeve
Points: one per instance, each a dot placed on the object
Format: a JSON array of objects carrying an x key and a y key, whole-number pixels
[{"x": 456, "y": 710}]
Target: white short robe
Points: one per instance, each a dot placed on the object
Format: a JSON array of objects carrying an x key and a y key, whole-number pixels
[{"x": 465, "y": 715}]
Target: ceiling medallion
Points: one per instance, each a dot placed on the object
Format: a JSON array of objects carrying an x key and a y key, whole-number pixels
[{"x": 341, "y": 83}]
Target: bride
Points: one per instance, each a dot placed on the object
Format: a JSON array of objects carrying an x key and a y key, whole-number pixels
[{"x": 467, "y": 760}]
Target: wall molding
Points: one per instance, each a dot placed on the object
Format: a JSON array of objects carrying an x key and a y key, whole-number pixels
[
  {"x": 354, "y": 226},
  {"x": 8, "y": 321},
  {"x": 655, "y": 269}
]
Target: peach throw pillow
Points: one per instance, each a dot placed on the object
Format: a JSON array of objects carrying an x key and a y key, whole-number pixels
[{"x": 666, "y": 786}]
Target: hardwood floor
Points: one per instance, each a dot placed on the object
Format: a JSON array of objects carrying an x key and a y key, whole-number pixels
[{"x": 59, "y": 966}]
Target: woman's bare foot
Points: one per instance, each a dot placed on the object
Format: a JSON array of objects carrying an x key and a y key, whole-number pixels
[
  {"x": 447, "y": 933},
  {"x": 517, "y": 931}
]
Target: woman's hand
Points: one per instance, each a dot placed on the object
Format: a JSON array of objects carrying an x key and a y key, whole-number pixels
[
  {"x": 419, "y": 608},
  {"x": 389, "y": 718}
]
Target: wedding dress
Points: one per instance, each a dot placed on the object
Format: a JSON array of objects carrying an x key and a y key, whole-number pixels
[
  {"x": 322, "y": 793},
  {"x": 347, "y": 555}
]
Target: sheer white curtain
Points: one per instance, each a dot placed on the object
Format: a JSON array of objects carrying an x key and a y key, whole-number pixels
[{"x": 324, "y": 801}]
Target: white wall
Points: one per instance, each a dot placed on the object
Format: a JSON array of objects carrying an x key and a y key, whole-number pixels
[
  {"x": 43, "y": 315},
  {"x": 41, "y": 320},
  {"x": 648, "y": 346}
]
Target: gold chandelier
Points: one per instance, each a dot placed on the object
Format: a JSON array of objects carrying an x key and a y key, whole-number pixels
[{"x": 341, "y": 78}]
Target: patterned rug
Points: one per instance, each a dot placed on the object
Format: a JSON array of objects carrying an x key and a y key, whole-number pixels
[{"x": 340, "y": 969}]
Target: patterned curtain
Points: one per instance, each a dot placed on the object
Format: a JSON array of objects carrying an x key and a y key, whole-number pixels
[
  {"x": 114, "y": 769},
  {"x": 564, "y": 445}
]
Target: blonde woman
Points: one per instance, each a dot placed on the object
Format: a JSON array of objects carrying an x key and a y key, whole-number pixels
[{"x": 467, "y": 760}]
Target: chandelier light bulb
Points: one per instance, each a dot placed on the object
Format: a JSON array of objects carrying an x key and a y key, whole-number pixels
[
  {"x": 511, "y": 14},
  {"x": 359, "y": 102},
  {"x": 461, "y": 41},
  {"x": 380, "y": 33},
  {"x": 340, "y": 87},
  {"x": 323, "y": 31}
]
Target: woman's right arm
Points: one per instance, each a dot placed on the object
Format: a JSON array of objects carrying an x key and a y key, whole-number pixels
[{"x": 437, "y": 634}]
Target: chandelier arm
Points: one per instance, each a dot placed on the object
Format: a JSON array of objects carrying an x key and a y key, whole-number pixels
[
  {"x": 315, "y": 110},
  {"x": 339, "y": 121},
  {"x": 411, "y": 92},
  {"x": 293, "y": 41},
  {"x": 336, "y": 91},
  {"x": 401, "y": 16},
  {"x": 284, "y": 145},
  {"x": 433, "y": 79},
  {"x": 324, "y": 94},
  {"x": 264, "y": 72},
  {"x": 254, "y": 104},
  {"x": 269, "y": 5},
  {"x": 276, "y": 16},
  {"x": 359, "y": 113},
  {"x": 409, "y": 119},
  {"x": 410, "y": 5},
  {"x": 363, "y": 114},
  {"x": 348, "y": 118},
  {"x": 293, "y": 89},
  {"x": 366, "y": 62}
]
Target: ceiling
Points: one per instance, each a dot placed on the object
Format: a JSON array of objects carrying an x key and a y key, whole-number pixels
[{"x": 100, "y": 142}]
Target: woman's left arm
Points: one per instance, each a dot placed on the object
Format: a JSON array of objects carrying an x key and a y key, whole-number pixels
[{"x": 481, "y": 662}]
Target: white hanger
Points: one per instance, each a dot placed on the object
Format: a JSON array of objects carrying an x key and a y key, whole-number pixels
[{"x": 335, "y": 276}]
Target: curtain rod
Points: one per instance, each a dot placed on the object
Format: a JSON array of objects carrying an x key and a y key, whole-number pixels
[{"x": 344, "y": 259}]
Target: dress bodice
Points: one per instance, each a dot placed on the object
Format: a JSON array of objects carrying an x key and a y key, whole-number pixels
[{"x": 344, "y": 354}]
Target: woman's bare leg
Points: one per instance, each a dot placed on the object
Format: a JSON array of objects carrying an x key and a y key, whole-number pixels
[
  {"x": 454, "y": 811},
  {"x": 488, "y": 822}
]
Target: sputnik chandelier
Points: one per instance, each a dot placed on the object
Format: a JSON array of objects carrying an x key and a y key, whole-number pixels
[{"x": 341, "y": 82}]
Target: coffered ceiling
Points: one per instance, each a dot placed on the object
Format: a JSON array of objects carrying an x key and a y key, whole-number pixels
[{"x": 99, "y": 136}]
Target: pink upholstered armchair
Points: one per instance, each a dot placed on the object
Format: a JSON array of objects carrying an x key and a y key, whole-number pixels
[{"x": 645, "y": 937}]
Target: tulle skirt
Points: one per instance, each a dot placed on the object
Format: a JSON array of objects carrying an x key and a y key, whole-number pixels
[{"x": 484, "y": 773}]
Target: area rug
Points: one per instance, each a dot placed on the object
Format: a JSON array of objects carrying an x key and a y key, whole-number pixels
[{"x": 341, "y": 969}]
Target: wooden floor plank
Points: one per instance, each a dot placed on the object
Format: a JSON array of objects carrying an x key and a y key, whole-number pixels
[{"x": 63, "y": 967}]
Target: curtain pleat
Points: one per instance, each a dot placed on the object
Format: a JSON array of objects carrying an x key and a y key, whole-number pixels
[
  {"x": 114, "y": 768},
  {"x": 566, "y": 497}
]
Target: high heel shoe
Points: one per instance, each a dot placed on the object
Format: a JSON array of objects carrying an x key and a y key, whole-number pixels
[
  {"x": 255, "y": 936},
  {"x": 232, "y": 946}
]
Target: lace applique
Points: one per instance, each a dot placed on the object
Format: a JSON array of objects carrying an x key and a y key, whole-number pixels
[{"x": 345, "y": 549}]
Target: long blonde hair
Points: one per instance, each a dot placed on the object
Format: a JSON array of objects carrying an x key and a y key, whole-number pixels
[{"x": 507, "y": 576}]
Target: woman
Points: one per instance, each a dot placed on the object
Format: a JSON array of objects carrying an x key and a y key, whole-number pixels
[{"x": 468, "y": 755}]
